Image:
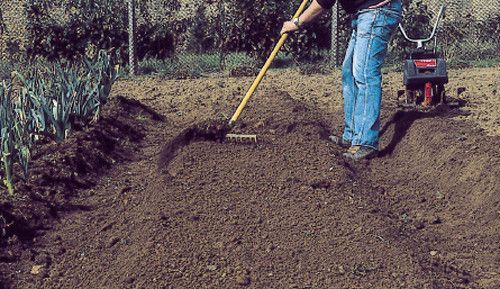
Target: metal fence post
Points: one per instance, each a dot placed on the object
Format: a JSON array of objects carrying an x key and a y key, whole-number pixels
[
  {"x": 2, "y": 25},
  {"x": 131, "y": 37},
  {"x": 221, "y": 36},
  {"x": 334, "y": 46}
]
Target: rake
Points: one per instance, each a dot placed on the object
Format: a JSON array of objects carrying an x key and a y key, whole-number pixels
[{"x": 251, "y": 138}]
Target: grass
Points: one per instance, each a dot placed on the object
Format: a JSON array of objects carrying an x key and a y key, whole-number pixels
[
  {"x": 479, "y": 63},
  {"x": 197, "y": 64},
  {"x": 192, "y": 65},
  {"x": 239, "y": 59}
]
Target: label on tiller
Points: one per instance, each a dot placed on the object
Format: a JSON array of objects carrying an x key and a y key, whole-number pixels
[{"x": 425, "y": 63}]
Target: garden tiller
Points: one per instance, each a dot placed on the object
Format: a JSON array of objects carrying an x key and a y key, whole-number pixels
[
  {"x": 255, "y": 84},
  {"x": 425, "y": 75}
]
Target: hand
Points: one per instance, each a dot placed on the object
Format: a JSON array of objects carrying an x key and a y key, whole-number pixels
[{"x": 288, "y": 27}]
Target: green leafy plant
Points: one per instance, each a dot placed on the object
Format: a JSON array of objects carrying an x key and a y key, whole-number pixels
[
  {"x": 7, "y": 142},
  {"x": 58, "y": 109},
  {"x": 23, "y": 134},
  {"x": 33, "y": 90},
  {"x": 105, "y": 72}
]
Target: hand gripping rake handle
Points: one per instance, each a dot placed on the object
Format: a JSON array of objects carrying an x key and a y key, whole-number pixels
[{"x": 264, "y": 68}]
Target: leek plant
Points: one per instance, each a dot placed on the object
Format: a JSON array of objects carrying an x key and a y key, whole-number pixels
[
  {"x": 23, "y": 135},
  {"x": 105, "y": 73},
  {"x": 58, "y": 107},
  {"x": 6, "y": 135}
]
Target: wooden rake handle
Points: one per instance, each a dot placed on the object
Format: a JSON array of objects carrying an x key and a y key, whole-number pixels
[{"x": 264, "y": 69}]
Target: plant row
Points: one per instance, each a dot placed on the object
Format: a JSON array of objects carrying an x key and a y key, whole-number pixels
[{"x": 46, "y": 104}]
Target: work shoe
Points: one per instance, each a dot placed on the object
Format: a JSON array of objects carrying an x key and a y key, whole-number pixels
[
  {"x": 360, "y": 152},
  {"x": 340, "y": 141}
]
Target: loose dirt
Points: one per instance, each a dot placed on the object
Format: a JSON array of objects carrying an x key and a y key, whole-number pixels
[{"x": 287, "y": 212}]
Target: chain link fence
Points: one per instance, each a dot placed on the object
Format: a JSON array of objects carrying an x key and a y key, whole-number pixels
[
  {"x": 195, "y": 36},
  {"x": 13, "y": 33},
  {"x": 202, "y": 39}
]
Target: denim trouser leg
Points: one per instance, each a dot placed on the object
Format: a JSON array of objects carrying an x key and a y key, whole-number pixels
[
  {"x": 362, "y": 77},
  {"x": 349, "y": 91}
]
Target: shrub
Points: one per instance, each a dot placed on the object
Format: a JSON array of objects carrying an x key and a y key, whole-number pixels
[
  {"x": 83, "y": 24},
  {"x": 254, "y": 28}
]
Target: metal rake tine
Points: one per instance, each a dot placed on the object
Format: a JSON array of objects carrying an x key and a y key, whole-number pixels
[{"x": 241, "y": 138}]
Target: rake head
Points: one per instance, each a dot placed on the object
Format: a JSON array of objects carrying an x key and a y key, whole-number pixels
[{"x": 241, "y": 138}]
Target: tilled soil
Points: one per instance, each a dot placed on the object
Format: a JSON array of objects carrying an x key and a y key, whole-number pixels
[{"x": 287, "y": 212}]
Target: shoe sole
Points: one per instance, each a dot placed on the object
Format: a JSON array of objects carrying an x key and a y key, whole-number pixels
[{"x": 367, "y": 157}]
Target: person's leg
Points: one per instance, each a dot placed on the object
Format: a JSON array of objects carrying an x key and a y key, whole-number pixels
[
  {"x": 374, "y": 30},
  {"x": 349, "y": 89}
]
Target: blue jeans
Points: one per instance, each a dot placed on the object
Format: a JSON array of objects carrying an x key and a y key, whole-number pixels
[{"x": 361, "y": 72}]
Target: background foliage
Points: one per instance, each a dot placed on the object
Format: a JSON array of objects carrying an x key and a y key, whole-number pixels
[
  {"x": 86, "y": 25},
  {"x": 213, "y": 35}
]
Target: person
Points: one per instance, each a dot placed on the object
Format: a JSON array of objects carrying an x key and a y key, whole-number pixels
[{"x": 373, "y": 23}]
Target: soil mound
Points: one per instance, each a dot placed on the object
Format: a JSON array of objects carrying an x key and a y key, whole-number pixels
[
  {"x": 59, "y": 171},
  {"x": 290, "y": 205},
  {"x": 275, "y": 119},
  {"x": 211, "y": 130}
]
